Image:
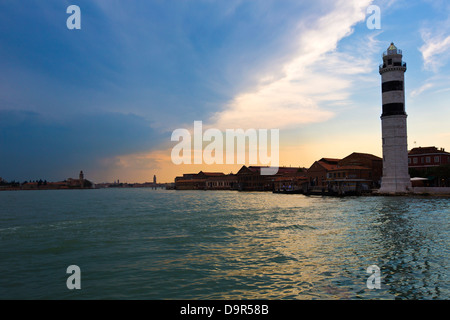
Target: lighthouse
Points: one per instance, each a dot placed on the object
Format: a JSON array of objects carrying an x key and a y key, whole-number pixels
[{"x": 395, "y": 178}]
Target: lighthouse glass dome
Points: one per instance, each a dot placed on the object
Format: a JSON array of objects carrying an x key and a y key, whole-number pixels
[{"x": 392, "y": 50}]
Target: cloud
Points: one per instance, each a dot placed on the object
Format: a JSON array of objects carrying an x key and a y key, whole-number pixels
[
  {"x": 316, "y": 74},
  {"x": 136, "y": 64},
  {"x": 435, "y": 51},
  {"x": 436, "y": 45},
  {"x": 31, "y": 144},
  {"x": 421, "y": 89}
]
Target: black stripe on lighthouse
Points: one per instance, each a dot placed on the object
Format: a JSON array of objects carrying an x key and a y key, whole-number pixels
[
  {"x": 392, "y": 86},
  {"x": 392, "y": 109}
]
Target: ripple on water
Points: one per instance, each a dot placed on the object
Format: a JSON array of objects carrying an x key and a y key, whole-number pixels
[{"x": 148, "y": 244}]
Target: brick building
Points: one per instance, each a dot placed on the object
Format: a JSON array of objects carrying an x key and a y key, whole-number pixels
[
  {"x": 250, "y": 178},
  {"x": 317, "y": 173},
  {"x": 222, "y": 182},
  {"x": 422, "y": 158},
  {"x": 363, "y": 169},
  {"x": 363, "y": 165},
  {"x": 195, "y": 181},
  {"x": 430, "y": 163}
]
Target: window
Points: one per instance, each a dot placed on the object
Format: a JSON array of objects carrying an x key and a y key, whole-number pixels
[
  {"x": 436, "y": 159},
  {"x": 415, "y": 160},
  {"x": 409, "y": 160},
  {"x": 389, "y": 61},
  {"x": 428, "y": 159}
]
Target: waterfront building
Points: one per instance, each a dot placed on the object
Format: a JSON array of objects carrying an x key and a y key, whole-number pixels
[
  {"x": 350, "y": 178},
  {"x": 195, "y": 181},
  {"x": 222, "y": 182},
  {"x": 427, "y": 157},
  {"x": 395, "y": 178},
  {"x": 317, "y": 173},
  {"x": 356, "y": 172},
  {"x": 251, "y": 179},
  {"x": 289, "y": 183},
  {"x": 429, "y": 167},
  {"x": 371, "y": 162},
  {"x": 81, "y": 182}
]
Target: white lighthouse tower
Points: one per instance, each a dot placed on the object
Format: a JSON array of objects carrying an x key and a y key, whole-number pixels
[{"x": 395, "y": 178}]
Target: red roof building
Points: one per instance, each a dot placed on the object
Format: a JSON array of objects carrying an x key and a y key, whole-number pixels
[
  {"x": 250, "y": 178},
  {"x": 362, "y": 166},
  {"x": 317, "y": 173},
  {"x": 430, "y": 163},
  {"x": 195, "y": 181},
  {"x": 421, "y": 158}
]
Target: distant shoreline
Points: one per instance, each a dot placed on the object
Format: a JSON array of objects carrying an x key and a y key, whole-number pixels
[{"x": 373, "y": 194}]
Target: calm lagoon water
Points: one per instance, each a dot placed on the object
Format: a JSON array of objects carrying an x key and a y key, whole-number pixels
[{"x": 165, "y": 244}]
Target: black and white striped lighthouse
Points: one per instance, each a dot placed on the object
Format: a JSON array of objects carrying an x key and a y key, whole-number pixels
[{"x": 395, "y": 178}]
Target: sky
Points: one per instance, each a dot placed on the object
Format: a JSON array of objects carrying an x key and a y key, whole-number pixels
[{"x": 106, "y": 98}]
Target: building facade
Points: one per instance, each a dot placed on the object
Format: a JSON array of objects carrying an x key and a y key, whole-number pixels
[
  {"x": 317, "y": 173},
  {"x": 223, "y": 182},
  {"x": 368, "y": 161},
  {"x": 195, "y": 181},
  {"x": 429, "y": 167},
  {"x": 422, "y": 158}
]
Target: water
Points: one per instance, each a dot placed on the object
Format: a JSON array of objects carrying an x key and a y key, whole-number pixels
[{"x": 158, "y": 244}]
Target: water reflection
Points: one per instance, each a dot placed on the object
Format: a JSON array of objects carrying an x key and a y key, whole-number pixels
[
  {"x": 322, "y": 250},
  {"x": 137, "y": 244},
  {"x": 411, "y": 261}
]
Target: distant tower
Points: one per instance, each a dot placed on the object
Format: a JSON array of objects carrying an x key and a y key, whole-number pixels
[
  {"x": 81, "y": 178},
  {"x": 395, "y": 178},
  {"x": 154, "y": 179}
]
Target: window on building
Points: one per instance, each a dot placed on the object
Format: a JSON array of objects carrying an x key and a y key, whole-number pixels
[
  {"x": 409, "y": 160},
  {"x": 415, "y": 160},
  {"x": 428, "y": 159},
  {"x": 389, "y": 61},
  {"x": 436, "y": 159}
]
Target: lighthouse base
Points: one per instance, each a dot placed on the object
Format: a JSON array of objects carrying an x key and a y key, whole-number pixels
[{"x": 395, "y": 185}]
